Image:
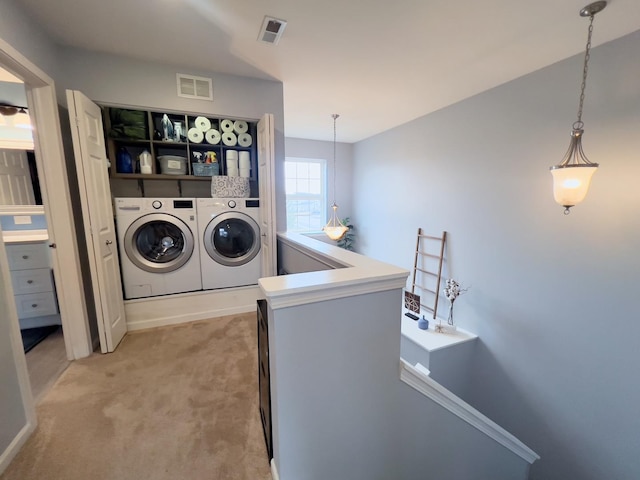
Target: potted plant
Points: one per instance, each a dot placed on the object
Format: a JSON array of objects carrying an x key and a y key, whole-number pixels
[{"x": 348, "y": 239}]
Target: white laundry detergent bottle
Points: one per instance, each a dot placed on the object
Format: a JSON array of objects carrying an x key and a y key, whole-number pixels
[{"x": 145, "y": 162}]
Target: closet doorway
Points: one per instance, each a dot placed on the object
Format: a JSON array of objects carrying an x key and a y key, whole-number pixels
[
  {"x": 57, "y": 201},
  {"x": 25, "y": 233}
]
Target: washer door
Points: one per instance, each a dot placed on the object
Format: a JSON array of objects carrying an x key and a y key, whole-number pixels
[
  {"x": 159, "y": 243},
  {"x": 232, "y": 239}
]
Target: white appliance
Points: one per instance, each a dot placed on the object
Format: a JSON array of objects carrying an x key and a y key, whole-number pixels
[
  {"x": 230, "y": 242},
  {"x": 158, "y": 241}
]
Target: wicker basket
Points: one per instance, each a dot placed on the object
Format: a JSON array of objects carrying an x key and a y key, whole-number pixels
[{"x": 205, "y": 169}]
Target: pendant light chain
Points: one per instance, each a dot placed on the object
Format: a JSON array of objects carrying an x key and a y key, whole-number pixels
[
  {"x": 335, "y": 117},
  {"x": 335, "y": 229},
  {"x": 579, "y": 124}
]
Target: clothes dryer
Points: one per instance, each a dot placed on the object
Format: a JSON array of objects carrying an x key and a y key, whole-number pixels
[
  {"x": 158, "y": 241},
  {"x": 230, "y": 242}
]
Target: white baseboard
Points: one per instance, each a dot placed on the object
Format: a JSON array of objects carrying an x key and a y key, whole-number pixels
[
  {"x": 15, "y": 446},
  {"x": 424, "y": 384},
  {"x": 174, "y": 309},
  {"x": 274, "y": 470}
]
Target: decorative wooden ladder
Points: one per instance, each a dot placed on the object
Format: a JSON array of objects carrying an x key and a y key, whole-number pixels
[{"x": 428, "y": 256}]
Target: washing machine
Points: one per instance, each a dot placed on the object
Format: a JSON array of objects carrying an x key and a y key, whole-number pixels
[
  {"x": 230, "y": 242},
  {"x": 158, "y": 242}
]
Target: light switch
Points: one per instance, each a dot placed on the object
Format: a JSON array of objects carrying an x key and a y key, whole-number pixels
[{"x": 22, "y": 220}]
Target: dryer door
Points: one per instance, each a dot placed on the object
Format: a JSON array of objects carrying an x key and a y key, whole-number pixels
[
  {"x": 232, "y": 239},
  {"x": 159, "y": 243}
]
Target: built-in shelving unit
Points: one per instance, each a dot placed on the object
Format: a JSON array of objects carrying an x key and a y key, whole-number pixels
[{"x": 136, "y": 131}]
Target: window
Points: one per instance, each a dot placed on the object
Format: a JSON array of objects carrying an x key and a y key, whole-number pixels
[{"x": 305, "y": 189}]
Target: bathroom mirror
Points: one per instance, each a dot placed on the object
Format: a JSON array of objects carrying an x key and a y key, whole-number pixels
[{"x": 17, "y": 159}]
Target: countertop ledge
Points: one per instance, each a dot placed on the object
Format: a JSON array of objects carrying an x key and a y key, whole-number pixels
[
  {"x": 25, "y": 236},
  {"x": 431, "y": 341},
  {"x": 359, "y": 275}
]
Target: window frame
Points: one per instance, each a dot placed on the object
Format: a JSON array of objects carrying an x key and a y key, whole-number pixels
[{"x": 323, "y": 196}]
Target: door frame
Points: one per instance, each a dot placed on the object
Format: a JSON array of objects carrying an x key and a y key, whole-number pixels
[
  {"x": 266, "y": 174},
  {"x": 54, "y": 184}
]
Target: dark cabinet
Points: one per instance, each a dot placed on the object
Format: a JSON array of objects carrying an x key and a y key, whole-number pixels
[{"x": 263, "y": 375}]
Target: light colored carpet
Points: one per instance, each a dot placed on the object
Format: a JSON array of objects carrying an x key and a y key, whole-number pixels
[
  {"x": 177, "y": 402},
  {"x": 45, "y": 363}
]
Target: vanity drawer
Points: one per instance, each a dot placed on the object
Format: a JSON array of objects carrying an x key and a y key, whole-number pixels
[
  {"x": 27, "y": 256},
  {"x": 31, "y": 281},
  {"x": 36, "y": 304}
]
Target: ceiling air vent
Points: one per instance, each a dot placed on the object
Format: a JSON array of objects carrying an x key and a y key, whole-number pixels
[
  {"x": 195, "y": 87},
  {"x": 271, "y": 31}
]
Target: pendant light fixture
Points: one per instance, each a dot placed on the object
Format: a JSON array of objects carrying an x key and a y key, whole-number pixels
[
  {"x": 19, "y": 117},
  {"x": 334, "y": 229},
  {"x": 572, "y": 176}
]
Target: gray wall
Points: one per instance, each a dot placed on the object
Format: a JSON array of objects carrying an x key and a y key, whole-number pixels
[
  {"x": 301, "y": 148},
  {"x": 552, "y": 297},
  {"x": 24, "y": 35},
  {"x": 436, "y": 444},
  {"x": 13, "y": 93},
  {"x": 12, "y": 413},
  {"x": 119, "y": 80}
]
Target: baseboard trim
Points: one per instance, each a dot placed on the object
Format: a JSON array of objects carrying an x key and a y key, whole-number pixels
[
  {"x": 436, "y": 392},
  {"x": 186, "y": 318},
  {"x": 175, "y": 309},
  {"x": 14, "y": 447},
  {"x": 274, "y": 470}
]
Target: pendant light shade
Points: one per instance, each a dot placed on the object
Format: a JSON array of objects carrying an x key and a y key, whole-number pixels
[
  {"x": 572, "y": 176},
  {"x": 334, "y": 229},
  {"x": 571, "y": 184}
]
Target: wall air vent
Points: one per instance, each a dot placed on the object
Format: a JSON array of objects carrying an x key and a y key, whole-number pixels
[
  {"x": 271, "y": 31},
  {"x": 194, "y": 87}
]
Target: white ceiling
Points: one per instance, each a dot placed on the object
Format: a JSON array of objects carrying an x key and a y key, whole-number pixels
[
  {"x": 8, "y": 77},
  {"x": 377, "y": 63}
]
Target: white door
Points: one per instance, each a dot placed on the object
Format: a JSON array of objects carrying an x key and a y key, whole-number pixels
[
  {"x": 97, "y": 213},
  {"x": 15, "y": 178},
  {"x": 266, "y": 180}
]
